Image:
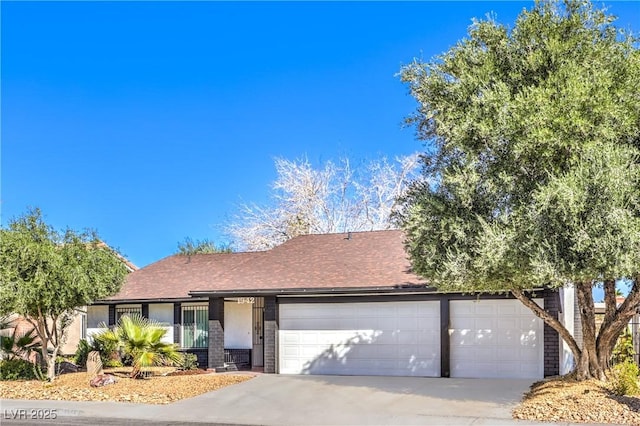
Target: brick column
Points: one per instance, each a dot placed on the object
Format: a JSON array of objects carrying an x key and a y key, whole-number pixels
[
  {"x": 112, "y": 315},
  {"x": 177, "y": 321},
  {"x": 270, "y": 334},
  {"x": 216, "y": 333},
  {"x": 145, "y": 310},
  {"x": 551, "y": 337}
]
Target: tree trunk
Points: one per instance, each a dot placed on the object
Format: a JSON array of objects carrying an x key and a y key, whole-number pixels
[
  {"x": 589, "y": 353},
  {"x": 51, "y": 365},
  {"x": 614, "y": 324}
]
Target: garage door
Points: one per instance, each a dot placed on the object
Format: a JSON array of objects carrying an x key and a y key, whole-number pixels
[
  {"x": 495, "y": 338},
  {"x": 381, "y": 339}
]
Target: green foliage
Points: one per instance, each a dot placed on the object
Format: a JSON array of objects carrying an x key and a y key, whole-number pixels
[
  {"x": 141, "y": 339},
  {"x": 46, "y": 271},
  {"x": 532, "y": 170},
  {"x": 623, "y": 350},
  {"x": 82, "y": 353},
  {"x": 189, "y": 361},
  {"x": 17, "y": 344},
  {"x": 189, "y": 247},
  {"x": 17, "y": 369},
  {"x": 113, "y": 363},
  {"x": 45, "y": 274},
  {"x": 106, "y": 348},
  {"x": 625, "y": 378}
]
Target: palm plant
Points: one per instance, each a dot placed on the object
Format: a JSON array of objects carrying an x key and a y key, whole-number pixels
[
  {"x": 141, "y": 339},
  {"x": 15, "y": 343}
]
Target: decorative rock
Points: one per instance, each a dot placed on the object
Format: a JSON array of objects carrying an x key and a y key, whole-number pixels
[
  {"x": 66, "y": 367},
  {"x": 94, "y": 364},
  {"x": 102, "y": 380}
]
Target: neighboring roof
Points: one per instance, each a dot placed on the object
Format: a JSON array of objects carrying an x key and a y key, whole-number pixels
[
  {"x": 127, "y": 263},
  {"x": 365, "y": 260}
]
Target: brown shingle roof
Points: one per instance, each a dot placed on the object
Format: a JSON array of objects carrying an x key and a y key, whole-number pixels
[{"x": 315, "y": 262}]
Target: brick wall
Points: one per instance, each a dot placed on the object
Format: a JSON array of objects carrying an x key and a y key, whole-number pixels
[
  {"x": 551, "y": 337},
  {"x": 177, "y": 320},
  {"x": 112, "y": 315},
  {"x": 216, "y": 333},
  {"x": 270, "y": 334}
]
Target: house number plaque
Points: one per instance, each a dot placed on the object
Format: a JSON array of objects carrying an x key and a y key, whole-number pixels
[{"x": 246, "y": 299}]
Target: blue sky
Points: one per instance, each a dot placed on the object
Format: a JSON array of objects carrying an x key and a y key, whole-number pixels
[{"x": 151, "y": 121}]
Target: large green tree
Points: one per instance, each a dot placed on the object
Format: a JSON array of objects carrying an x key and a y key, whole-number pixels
[
  {"x": 532, "y": 172},
  {"x": 45, "y": 274}
]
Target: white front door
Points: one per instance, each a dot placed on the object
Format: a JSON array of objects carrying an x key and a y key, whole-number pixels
[
  {"x": 377, "y": 338},
  {"x": 495, "y": 339}
]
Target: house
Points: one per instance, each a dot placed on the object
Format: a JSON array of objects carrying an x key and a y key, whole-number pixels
[{"x": 345, "y": 304}]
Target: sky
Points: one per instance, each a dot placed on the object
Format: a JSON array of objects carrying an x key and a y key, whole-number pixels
[{"x": 151, "y": 121}]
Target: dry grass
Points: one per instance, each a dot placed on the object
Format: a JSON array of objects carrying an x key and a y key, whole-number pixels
[
  {"x": 566, "y": 400},
  {"x": 158, "y": 389}
]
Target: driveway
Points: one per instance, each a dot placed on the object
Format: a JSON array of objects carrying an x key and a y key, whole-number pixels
[{"x": 323, "y": 400}]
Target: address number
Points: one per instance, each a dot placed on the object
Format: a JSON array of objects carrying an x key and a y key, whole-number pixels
[{"x": 246, "y": 299}]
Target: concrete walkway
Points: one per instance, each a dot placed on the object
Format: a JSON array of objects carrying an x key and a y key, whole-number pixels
[{"x": 320, "y": 400}]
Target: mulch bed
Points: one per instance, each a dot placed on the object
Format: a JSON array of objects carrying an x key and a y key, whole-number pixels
[
  {"x": 566, "y": 400},
  {"x": 188, "y": 372},
  {"x": 157, "y": 389}
]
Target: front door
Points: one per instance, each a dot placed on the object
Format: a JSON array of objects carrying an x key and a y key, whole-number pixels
[{"x": 257, "y": 353}]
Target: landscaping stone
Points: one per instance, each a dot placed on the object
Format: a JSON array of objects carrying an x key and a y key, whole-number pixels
[
  {"x": 566, "y": 400},
  {"x": 154, "y": 390},
  {"x": 102, "y": 380},
  {"x": 94, "y": 364},
  {"x": 66, "y": 367}
]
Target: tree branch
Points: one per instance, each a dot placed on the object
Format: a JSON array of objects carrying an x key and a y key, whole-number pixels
[{"x": 550, "y": 321}]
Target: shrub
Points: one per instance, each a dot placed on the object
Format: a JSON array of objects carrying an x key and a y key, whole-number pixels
[
  {"x": 189, "y": 361},
  {"x": 107, "y": 350},
  {"x": 623, "y": 351},
  {"x": 112, "y": 363},
  {"x": 82, "y": 353},
  {"x": 625, "y": 379},
  {"x": 18, "y": 369}
]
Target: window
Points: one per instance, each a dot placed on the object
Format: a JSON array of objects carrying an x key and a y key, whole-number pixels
[
  {"x": 127, "y": 310},
  {"x": 195, "y": 327}
]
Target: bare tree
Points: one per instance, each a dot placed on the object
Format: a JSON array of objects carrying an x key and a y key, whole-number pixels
[{"x": 334, "y": 198}]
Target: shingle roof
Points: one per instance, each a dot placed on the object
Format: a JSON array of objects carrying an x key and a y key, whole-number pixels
[{"x": 315, "y": 262}]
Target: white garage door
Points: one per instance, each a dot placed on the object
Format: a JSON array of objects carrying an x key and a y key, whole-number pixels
[
  {"x": 381, "y": 339},
  {"x": 495, "y": 338}
]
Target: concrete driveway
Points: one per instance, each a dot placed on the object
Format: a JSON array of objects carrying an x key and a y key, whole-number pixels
[
  {"x": 324, "y": 400},
  {"x": 357, "y": 400}
]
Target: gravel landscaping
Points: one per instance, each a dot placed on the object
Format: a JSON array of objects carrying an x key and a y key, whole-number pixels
[
  {"x": 565, "y": 400},
  {"x": 158, "y": 389}
]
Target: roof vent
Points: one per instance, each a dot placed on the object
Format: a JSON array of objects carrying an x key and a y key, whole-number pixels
[{"x": 348, "y": 235}]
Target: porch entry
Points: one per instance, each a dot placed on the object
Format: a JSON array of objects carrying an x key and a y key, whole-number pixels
[{"x": 243, "y": 332}]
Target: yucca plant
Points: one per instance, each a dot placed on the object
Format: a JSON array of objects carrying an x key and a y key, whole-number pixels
[{"x": 141, "y": 339}]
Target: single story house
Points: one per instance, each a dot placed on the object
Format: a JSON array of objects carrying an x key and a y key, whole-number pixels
[{"x": 345, "y": 304}]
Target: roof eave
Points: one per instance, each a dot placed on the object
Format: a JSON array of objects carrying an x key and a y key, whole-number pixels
[
  {"x": 407, "y": 288},
  {"x": 146, "y": 300}
]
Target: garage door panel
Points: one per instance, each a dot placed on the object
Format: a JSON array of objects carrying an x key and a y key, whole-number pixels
[
  {"x": 495, "y": 338},
  {"x": 390, "y": 338},
  {"x": 430, "y": 310}
]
